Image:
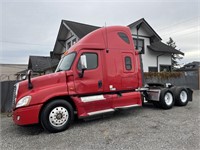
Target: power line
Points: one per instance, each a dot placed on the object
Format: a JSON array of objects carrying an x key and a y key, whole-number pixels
[
  {"x": 183, "y": 30},
  {"x": 23, "y": 43},
  {"x": 183, "y": 34},
  {"x": 187, "y": 20}
]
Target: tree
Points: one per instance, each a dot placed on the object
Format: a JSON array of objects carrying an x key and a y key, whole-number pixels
[{"x": 175, "y": 57}]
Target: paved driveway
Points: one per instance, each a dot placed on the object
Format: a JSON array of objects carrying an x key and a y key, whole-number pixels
[{"x": 144, "y": 128}]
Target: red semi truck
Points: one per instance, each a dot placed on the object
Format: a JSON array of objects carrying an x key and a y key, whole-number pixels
[{"x": 99, "y": 74}]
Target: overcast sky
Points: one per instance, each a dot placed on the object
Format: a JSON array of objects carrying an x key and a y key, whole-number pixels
[{"x": 30, "y": 27}]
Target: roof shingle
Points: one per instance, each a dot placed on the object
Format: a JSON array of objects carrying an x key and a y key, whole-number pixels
[
  {"x": 41, "y": 63},
  {"x": 80, "y": 29},
  {"x": 163, "y": 48},
  {"x": 142, "y": 20}
]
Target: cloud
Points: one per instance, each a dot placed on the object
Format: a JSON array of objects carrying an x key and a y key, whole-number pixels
[
  {"x": 31, "y": 27},
  {"x": 193, "y": 54},
  {"x": 186, "y": 34}
]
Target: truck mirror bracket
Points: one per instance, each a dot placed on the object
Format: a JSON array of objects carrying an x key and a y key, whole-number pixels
[
  {"x": 30, "y": 85},
  {"x": 81, "y": 73}
]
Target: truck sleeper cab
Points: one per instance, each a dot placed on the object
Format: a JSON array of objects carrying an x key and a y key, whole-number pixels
[{"x": 99, "y": 74}]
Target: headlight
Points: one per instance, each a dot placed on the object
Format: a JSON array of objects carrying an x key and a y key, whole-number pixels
[{"x": 23, "y": 101}]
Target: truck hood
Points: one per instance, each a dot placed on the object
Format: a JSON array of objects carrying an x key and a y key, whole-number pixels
[{"x": 41, "y": 82}]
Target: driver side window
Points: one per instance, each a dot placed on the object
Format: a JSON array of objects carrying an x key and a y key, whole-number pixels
[{"x": 92, "y": 61}]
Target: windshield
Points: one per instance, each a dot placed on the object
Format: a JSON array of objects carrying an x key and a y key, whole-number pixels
[{"x": 66, "y": 62}]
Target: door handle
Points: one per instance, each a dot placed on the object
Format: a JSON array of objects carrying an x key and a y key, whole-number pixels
[{"x": 100, "y": 84}]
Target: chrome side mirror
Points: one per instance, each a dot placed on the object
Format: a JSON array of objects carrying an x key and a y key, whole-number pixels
[{"x": 83, "y": 61}]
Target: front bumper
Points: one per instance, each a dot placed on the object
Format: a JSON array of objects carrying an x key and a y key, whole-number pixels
[{"x": 27, "y": 115}]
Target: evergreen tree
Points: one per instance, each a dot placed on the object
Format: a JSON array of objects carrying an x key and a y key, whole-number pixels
[{"x": 175, "y": 57}]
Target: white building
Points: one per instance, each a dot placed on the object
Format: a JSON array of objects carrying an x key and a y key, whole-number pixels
[{"x": 156, "y": 55}]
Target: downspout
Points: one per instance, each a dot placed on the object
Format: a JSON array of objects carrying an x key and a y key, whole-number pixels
[
  {"x": 140, "y": 56},
  {"x": 137, "y": 38},
  {"x": 137, "y": 27},
  {"x": 157, "y": 59}
]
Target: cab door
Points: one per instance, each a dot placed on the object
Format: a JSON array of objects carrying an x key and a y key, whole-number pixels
[
  {"x": 92, "y": 80},
  {"x": 89, "y": 87}
]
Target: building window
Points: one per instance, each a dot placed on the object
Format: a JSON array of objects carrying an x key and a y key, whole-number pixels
[
  {"x": 92, "y": 61},
  {"x": 139, "y": 44},
  {"x": 74, "y": 41},
  {"x": 124, "y": 37},
  {"x": 165, "y": 68},
  {"x": 153, "y": 69},
  {"x": 128, "y": 63}
]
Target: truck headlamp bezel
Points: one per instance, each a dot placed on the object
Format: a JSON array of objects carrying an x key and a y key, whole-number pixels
[{"x": 23, "y": 101}]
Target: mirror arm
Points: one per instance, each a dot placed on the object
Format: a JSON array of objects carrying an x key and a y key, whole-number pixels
[
  {"x": 83, "y": 65},
  {"x": 30, "y": 85},
  {"x": 81, "y": 73}
]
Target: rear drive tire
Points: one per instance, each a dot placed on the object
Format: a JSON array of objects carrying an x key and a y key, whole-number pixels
[
  {"x": 166, "y": 99},
  {"x": 57, "y": 116},
  {"x": 181, "y": 96}
]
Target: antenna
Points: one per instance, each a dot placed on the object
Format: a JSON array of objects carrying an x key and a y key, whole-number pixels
[{"x": 106, "y": 39}]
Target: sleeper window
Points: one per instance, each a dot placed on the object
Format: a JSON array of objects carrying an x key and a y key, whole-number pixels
[{"x": 128, "y": 63}]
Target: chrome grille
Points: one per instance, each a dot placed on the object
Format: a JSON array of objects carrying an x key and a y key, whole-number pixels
[{"x": 14, "y": 96}]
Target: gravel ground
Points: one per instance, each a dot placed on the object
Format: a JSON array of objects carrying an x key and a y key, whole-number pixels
[{"x": 144, "y": 128}]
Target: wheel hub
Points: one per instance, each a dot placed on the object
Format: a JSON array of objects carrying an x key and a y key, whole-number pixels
[
  {"x": 183, "y": 96},
  {"x": 58, "y": 116},
  {"x": 168, "y": 98}
]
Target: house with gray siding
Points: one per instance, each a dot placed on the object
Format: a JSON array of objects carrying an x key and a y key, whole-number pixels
[{"x": 41, "y": 65}]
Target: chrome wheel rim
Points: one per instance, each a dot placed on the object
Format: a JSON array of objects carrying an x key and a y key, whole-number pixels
[
  {"x": 168, "y": 98},
  {"x": 58, "y": 116},
  {"x": 183, "y": 96}
]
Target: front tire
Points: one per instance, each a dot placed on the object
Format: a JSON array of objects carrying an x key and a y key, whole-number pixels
[{"x": 57, "y": 116}]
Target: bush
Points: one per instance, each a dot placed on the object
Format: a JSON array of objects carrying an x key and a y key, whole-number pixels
[{"x": 162, "y": 75}]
